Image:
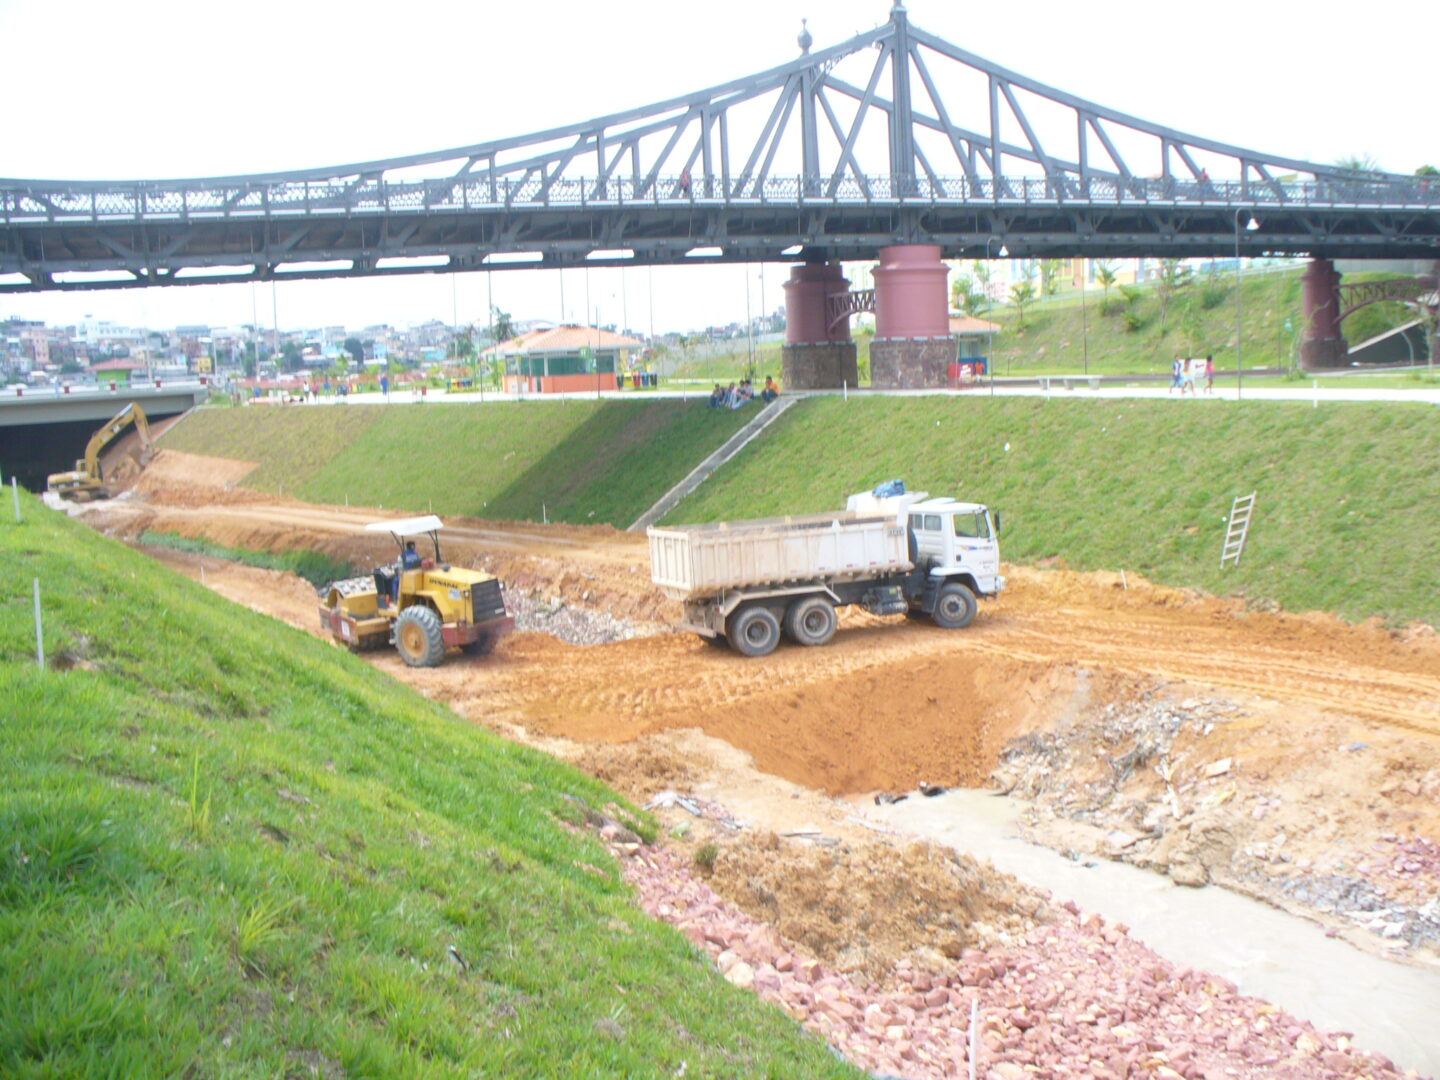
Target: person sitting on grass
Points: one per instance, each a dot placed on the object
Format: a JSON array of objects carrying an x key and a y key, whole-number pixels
[{"x": 771, "y": 391}]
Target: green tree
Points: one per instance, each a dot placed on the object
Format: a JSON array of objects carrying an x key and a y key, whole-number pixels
[
  {"x": 1427, "y": 170},
  {"x": 249, "y": 359},
  {"x": 1174, "y": 276},
  {"x": 290, "y": 352},
  {"x": 1022, "y": 294},
  {"x": 1050, "y": 276},
  {"x": 1133, "y": 319},
  {"x": 965, "y": 296},
  {"x": 462, "y": 344},
  {"x": 356, "y": 348},
  {"x": 1364, "y": 163},
  {"x": 1105, "y": 275},
  {"x": 504, "y": 327}
]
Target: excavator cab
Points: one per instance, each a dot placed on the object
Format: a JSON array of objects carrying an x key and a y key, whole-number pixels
[{"x": 86, "y": 481}]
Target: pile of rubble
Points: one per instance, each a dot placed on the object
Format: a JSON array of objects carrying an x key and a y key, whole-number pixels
[
  {"x": 1075, "y": 997},
  {"x": 1137, "y": 783},
  {"x": 572, "y": 623}
]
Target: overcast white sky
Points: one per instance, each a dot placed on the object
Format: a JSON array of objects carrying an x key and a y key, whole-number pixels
[{"x": 111, "y": 89}]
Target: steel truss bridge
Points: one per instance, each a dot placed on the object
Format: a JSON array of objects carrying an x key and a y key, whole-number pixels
[{"x": 893, "y": 137}]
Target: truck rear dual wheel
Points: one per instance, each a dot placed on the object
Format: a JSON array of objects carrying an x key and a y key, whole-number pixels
[
  {"x": 954, "y": 607},
  {"x": 810, "y": 621},
  {"x": 753, "y": 631},
  {"x": 418, "y": 638}
]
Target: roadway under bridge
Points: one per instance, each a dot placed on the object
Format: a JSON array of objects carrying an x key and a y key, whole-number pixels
[{"x": 44, "y": 432}]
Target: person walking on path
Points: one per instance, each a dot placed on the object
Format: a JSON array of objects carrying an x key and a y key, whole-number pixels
[
  {"x": 1209, "y": 374},
  {"x": 1177, "y": 369}
]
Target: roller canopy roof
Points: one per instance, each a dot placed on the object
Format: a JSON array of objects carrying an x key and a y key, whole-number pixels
[{"x": 416, "y": 526}]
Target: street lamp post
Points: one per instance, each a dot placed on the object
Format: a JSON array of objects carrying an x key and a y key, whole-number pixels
[{"x": 1250, "y": 226}]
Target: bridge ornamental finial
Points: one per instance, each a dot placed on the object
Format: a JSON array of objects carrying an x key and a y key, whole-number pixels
[{"x": 804, "y": 40}]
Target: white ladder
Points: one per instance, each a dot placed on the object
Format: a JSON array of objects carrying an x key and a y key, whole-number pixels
[{"x": 1240, "y": 512}]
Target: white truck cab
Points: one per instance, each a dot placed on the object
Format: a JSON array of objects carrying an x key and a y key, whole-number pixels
[
  {"x": 958, "y": 538},
  {"x": 953, "y": 539}
]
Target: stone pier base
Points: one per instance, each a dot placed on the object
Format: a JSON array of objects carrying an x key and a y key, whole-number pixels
[
  {"x": 912, "y": 363},
  {"x": 1330, "y": 354},
  {"x": 825, "y": 365}
]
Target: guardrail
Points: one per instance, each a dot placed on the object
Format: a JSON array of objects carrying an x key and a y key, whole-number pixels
[{"x": 202, "y": 200}]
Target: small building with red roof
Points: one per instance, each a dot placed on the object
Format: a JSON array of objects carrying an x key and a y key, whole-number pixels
[{"x": 564, "y": 359}]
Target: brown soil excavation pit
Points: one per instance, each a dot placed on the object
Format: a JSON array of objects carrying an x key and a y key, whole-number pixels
[{"x": 841, "y": 719}]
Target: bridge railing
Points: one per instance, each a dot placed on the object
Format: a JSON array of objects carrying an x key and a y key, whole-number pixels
[{"x": 473, "y": 192}]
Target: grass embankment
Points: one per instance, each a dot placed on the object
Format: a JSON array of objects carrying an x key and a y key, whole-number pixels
[
  {"x": 314, "y": 566},
  {"x": 1073, "y": 333},
  {"x": 231, "y": 849},
  {"x": 1344, "y": 520},
  {"x": 1144, "y": 334},
  {"x": 587, "y": 462}
]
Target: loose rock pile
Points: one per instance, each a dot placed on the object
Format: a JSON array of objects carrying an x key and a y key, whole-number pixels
[
  {"x": 573, "y": 624},
  {"x": 1140, "y": 783},
  {"x": 1076, "y": 998}
]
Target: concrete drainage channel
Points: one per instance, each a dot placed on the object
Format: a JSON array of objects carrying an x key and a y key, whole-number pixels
[{"x": 1390, "y": 1007}]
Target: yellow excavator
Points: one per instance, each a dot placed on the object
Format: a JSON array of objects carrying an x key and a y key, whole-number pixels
[{"x": 87, "y": 480}]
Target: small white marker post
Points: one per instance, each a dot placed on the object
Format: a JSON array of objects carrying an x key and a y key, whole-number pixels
[
  {"x": 16, "y": 492},
  {"x": 845, "y": 389},
  {"x": 39, "y": 632}
]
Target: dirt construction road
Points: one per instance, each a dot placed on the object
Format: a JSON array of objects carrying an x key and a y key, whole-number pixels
[
  {"x": 884, "y": 705},
  {"x": 1291, "y": 757}
]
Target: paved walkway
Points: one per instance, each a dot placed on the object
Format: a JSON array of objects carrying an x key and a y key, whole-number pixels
[{"x": 1079, "y": 389}]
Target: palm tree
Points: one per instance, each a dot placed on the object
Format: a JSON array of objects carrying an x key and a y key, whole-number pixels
[
  {"x": 1050, "y": 276},
  {"x": 1021, "y": 294},
  {"x": 1363, "y": 163},
  {"x": 1105, "y": 275}
]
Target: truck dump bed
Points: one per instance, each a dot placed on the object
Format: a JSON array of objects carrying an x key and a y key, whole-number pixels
[{"x": 688, "y": 561}]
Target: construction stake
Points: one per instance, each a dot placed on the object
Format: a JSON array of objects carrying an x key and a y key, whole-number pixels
[
  {"x": 39, "y": 633},
  {"x": 16, "y": 492}
]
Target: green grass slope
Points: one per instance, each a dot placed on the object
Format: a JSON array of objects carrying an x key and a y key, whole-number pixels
[
  {"x": 231, "y": 850},
  {"x": 1200, "y": 319},
  {"x": 1344, "y": 522},
  {"x": 588, "y": 462},
  {"x": 290, "y": 445}
]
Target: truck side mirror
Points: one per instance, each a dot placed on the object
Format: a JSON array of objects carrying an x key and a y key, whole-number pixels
[{"x": 997, "y": 522}]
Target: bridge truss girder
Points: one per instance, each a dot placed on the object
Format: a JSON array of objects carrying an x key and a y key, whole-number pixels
[
  {"x": 665, "y": 234},
  {"x": 895, "y": 136}
]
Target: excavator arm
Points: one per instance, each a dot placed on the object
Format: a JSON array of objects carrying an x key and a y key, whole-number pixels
[
  {"x": 131, "y": 414},
  {"x": 86, "y": 478}
]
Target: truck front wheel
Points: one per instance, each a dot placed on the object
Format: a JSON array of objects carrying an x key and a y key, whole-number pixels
[
  {"x": 954, "y": 607},
  {"x": 810, "y": 621},
  {"x": 753, "y": 631}
]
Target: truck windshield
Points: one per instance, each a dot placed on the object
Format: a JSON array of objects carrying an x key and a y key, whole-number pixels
[{"x": 972, "y": 525}]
